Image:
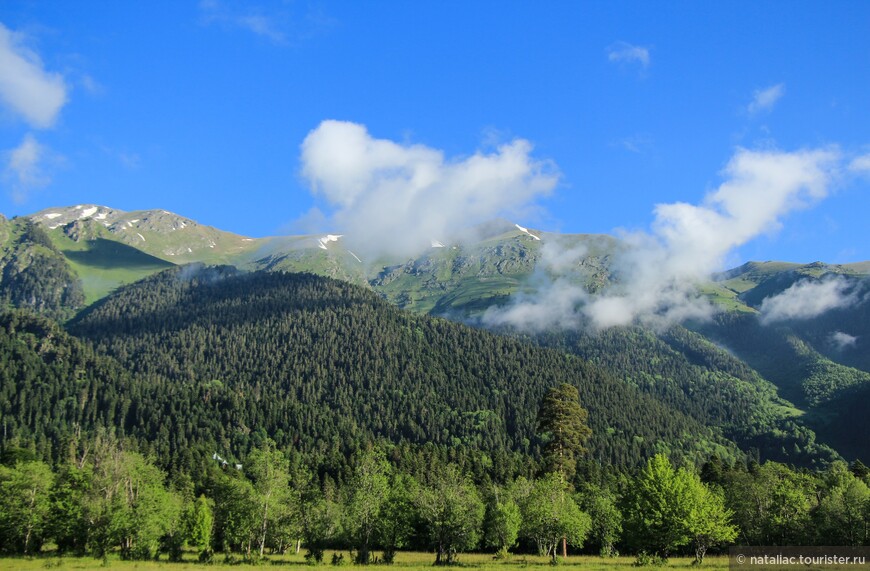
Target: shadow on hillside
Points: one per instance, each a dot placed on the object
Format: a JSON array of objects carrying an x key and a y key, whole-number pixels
[{"x": 106, "y": 255}]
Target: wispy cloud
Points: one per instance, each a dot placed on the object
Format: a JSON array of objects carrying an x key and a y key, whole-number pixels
[
  {"x": 26, "y": 88},
  {"x": 841, "y": 340},
  {"x": 638, "y": 143},
  {"x": 91, "y": 85},
  {"x": 246, "y": 17},
  {"x": 658, "y": 272},
  {"x": 623, "y": 52},
  {"x": 765, "y": 99},
  {"x": 24, "y": 171},
  {"x": 127, "y": 159},
  {"x": 807, "y": 299},
  {"x": 860, "y": 164},
  {"x": 130, "y": 160},
  {"x": 276, "y": 22},
  {"x": 394, "y": 198},
  {"x": 262, "y": 26}
]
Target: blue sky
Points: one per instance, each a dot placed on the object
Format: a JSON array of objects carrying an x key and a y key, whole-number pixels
[{"x": 202, "y": 108}]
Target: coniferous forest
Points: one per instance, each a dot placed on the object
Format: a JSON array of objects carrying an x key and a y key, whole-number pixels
[{"x": 248, "y": 414}]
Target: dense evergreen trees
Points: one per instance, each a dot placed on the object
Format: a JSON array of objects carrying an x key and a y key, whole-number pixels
[
  {"x": 324, "y": 366},
  {"x": 34, "y": 273},
  {"x": 691, "y": 374}
]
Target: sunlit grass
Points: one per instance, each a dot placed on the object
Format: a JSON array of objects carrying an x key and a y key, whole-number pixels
[{"x": 405, "y": 561}]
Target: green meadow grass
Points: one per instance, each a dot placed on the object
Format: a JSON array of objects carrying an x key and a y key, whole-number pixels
[
  {"x": 405, "y": 561},
  {"x": 104, "y": 265}
]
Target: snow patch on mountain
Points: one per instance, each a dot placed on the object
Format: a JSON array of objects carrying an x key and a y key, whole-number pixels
[
  {"x": 322, "y": 242},
  {"x": 526, "y": 230}
]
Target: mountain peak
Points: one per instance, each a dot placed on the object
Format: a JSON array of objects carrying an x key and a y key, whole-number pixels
[{"x": 157, "y": 232}]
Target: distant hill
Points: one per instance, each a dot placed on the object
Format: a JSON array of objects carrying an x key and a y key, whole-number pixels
[{"x": 463, "y": 276}]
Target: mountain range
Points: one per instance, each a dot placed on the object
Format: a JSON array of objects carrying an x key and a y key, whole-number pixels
[{"x": 791, "y": 389}]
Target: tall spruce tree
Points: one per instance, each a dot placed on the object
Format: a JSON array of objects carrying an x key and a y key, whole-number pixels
[{"x": 562, "y": 424}]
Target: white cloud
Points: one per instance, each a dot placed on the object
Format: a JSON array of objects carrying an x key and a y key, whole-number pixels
[
  {"x": 555, "y": 302},
  {"x": 806, "y": 299},
  {"x": 23, "y": 169},
  {"x": 25, "y": 87},
  {"x": 553, "y": 306},
  {"x": 392, "y": 198},
  {"x": 657, "y": 272},
  {"x": 623, "y": 52},
  {"x": 842, "y": 340},
  {"x": 660, "y": 271},
  {"x": 860, "y": 164},
  {"x": 765, "y": 99}
]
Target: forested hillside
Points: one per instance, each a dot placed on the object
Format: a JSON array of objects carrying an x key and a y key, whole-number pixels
[
  {"x": 689, "y": 373},
  {"x": 790, "y": 355},
  {"x": 229, "y": 359},
  {"x": 34, "y": 274}
]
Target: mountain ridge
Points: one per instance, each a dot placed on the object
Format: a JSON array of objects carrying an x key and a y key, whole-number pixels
[{"x": 479, "y": 268}]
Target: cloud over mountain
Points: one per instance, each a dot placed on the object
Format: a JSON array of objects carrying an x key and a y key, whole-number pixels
[
  {"x": 807, "y": 299},
  {"x": 842, "y": 340},
  {"x": 657, "y": 274},
  {"x": 392, "y": 198}
]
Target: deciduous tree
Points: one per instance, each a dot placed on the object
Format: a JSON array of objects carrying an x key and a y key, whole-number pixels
[
  {"x": 550, "y": 515},
  {"x": 452, "y": 512},
  {"x": 368, "y": 490},
  {"x": 24, "y": 506}
]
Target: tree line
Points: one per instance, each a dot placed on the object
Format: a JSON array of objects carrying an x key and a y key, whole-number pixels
[
  {"x": 109, "y": 498},
  {"x": 105, "y": 497}
]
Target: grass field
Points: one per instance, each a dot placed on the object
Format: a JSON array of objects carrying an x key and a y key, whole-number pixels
[{"x": 404, "y": 561}]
